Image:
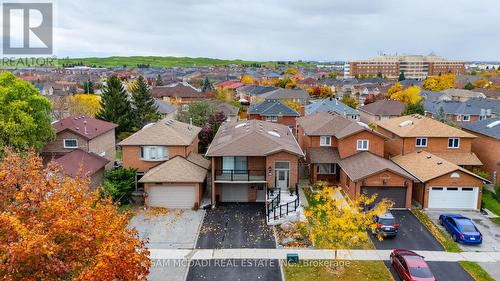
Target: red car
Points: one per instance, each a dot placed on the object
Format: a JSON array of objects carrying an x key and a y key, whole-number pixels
[{"x": 410, "y": 266}]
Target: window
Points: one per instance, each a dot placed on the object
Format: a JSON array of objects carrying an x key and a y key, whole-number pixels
[
  {"x": 234, "y": 163},
  {"x": 325, "y": 169},
  {"x": 421, "y": 142},
  {"x": 482, "y": 117},
  {"x": 453, "y": 142},
  {"x": 362, "y": 144},
  {"x": 466, "y": 118},
  {"x": 272, "y": 118},
  {"x": 70, "y": 143},
  {"x": 185, "y": 107},
  {"x": 154, "y": 153},
  {"x": 325, "y": 141},
  {"x": 282, "y": 165}
]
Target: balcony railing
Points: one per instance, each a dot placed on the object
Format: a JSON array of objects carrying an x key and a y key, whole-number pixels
[{"x": 240, "y": 175}]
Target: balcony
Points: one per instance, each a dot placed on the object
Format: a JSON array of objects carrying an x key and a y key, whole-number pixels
[{"x": 240, "y": 176}]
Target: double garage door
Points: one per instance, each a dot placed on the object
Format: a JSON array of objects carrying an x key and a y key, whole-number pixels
[
  {"x": 172, "y": 196},
  {"x": 397, "y": 194},
  {"x": 453, "y": 197}
]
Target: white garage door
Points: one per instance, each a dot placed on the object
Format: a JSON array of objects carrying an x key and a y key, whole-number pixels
[
  {"x": 234, "y": 193},
  {"x": 172, "y": 196},
  {"x": 453, "y": 197}
]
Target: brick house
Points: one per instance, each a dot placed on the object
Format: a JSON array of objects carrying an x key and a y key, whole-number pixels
[
  {"x": 344, "y": 152},
  {"x": 486, "y": 145},
  {"x": 274, "y": 111},
  {"x": 170, "y": 172},
  {"x": 472, "y": 110},
  {"x": 380, "y": 110},
  {"x": 410, "y": 133},
  {"x": 250, "y": 157}
]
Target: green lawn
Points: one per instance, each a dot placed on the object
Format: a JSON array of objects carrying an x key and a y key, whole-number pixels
[
  {"x": 443, "y": 238},
  {"x": 352, "y": 271},
  {"x": 476, "y": 271},
  {"x": 490, "y": 203}
]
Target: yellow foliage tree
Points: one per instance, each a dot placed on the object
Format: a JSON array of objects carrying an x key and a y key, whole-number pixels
[
  {"x": 293, "y": 105},
  {"x": 292, "y": 70},
  {"x": 481, "y": 83},
  {"x": 247, "y": 79},
  {"x": 224, "y": 94},
  {"x": 439, "y": 83},
  {"x": 350, "y": 101},
  {"x": 397, "y": 87},
  {"x": 132, "y": 86},
  {"x": 337, "y": 224},
  {"x": 84, "y": 104},
  {"x": 410, "y": 95}
]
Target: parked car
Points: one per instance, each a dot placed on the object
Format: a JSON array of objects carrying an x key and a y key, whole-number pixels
[
  {"x": 386, "y": 225},
  {"x": 411, "y": 266},
  {"x": 461, "y": 228}
]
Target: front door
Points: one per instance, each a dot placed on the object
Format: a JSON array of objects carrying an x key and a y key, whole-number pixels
[{"x": 282, "y": 179}]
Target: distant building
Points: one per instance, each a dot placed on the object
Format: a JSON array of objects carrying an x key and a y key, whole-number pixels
[{"x": 413, "y": 66}]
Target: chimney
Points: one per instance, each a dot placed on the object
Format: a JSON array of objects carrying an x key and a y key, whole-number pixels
[
  {"x": 85, "y": 126},
  {"x": 190, "y": 123},
  {"x": 302, "y": 111}
]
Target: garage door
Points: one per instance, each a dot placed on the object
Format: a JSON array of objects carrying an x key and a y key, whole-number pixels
[
  {"x": 453, "y": 197},
  {"x": 234, "y": 193},
  {"x": 172, "y": 196},
  {"x": 394, "y": 193}
]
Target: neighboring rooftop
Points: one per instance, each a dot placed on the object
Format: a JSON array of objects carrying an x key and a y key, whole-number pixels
[
  {"x": 177, "y": 169},
  {"x": 253, "y": 138},
  {"x": 487, "y": 127},
  {"x": 165, "y": 107},
  {"x": 256, "y": 89},
  {"x": 384, "y": 108},
  {"x": 330, "y": 104},
  {"x": 272, "y": 107},
  {"x": 417, "y": 125},
  {"x": 86, "y": 127},
  {"x": 80, "y": 162},
  {"x": 164, "y": 132},
  {"x": 182, "y": 90},
  {"x": 474, "y": 106},
  {"x": 281, "y": 94},
  {"x": 324, "y": 155}
]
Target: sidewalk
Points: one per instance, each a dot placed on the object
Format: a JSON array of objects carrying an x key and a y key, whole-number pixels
[{"x": 312, "y": 254}]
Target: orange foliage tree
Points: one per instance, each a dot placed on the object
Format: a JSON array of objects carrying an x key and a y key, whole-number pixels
[{"x": 53, "y": 227}]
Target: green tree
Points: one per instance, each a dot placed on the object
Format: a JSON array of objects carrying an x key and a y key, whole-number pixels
[
  {"x": 414, "y": 108},
  {"x": 350, "y": 101},
  {"x": 115, "y": 106},
  {"x": 25, "y": 120},
  {"x": 198, "y": 113},
  {"x": 401, "y": 76},
  {"x": 441, "y": 115},
  {"x": 206, "y": 85},
  {"x": 159, "y": 81},
  {"x": 88, "y": 87},
  {"x": 469, "y": 86},
  {"x": 145, "y": 108},
  {"x": 119, "y": 184}
]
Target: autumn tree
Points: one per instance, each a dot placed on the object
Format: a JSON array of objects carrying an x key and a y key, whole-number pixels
[
  {"x": 115, "y": 105},
  {"x": 397, "y": 87},
  {"x": 293, "y": 105},
  {"x": 414, "y": 108},
  {"x": 208, "y": 131},
  {"x": 144, "y": 106},
  {"x": 440, "y": 82},
  {"x": 339, "y": 224},
  {"x": 292, "y": 70},
  {"x": 84, "y": 104},
  {"x": 350, "y": 101},
  {"x": 410, "y": 95},
  {"x": 53, "y": 227},
  {"x": 287, "y": 83},
  {"x": 481, "y": 83},
  {"x": 25, "y": 115},
  {"x": 247, "y": 79}
]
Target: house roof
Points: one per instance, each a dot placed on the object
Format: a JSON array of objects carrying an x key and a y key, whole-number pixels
[
  {"x": 272, "y": 107},
  {"x": 256, "y": 89},
  {"x": 199, "y": 160},
  {"x": 281, "y": 94},
  {"x": 463, "y": 93},
  {"x": 227, "y": 109},
  {"x": 487, "y": 127},
  {"x": 330, "y": 124},
  {"x": 182, "y": 90},
  {"x": 330, "y": 104},
  {"x": 177, "y": 169},
  {"x": 384, "y": 107},
  {"x": 474, "y": 106},
  {"x": 164, "y": 107},
  {"x": 164, "y": 132},
  {"x": 324, "y": 154},
  {"x": 80, "y": 162},
  {"x": 253, "y": 138},
  {"x": 426, "y": 166},
  {"x": 420, "y": 126},
  {"x": 86, "y": 127},
  {"x": 460, "y": 158},
  {"x": 365, "y": 164}
]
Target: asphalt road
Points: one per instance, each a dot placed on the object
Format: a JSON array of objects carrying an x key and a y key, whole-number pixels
[
  {"x": 443, "y": 271},
  {"x": 244, "y": 270},
  {"x": 412, "y": 235}
]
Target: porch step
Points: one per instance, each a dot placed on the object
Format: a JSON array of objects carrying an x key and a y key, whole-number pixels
[
  {"x": 297, "y": 215},
  {"x": 285, "y": 197}
]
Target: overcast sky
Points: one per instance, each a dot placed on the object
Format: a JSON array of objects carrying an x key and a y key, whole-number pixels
[{"x": 322, "y": 30}]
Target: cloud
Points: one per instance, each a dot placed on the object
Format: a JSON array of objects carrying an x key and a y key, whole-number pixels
[{"x": 278, "y": 30}]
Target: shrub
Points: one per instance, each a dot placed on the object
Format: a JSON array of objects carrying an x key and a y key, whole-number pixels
[
  {"x": 119, "y": 184},
  {"x": 497, "y": 192},
  {"x": 482, "y": 173}
]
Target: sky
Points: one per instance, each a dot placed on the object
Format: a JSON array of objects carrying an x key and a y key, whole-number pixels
[{"x": 323, "y": 30}]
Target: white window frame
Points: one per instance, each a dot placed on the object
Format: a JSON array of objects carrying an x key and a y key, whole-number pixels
[
  {"x": 421, "y": 139},
  {"x": 362, "y": 146},
  {"x": 468, "y": 118},
  {"x": 323, "y": 141},
  {"x": 65, "y": 146},
  {"x": 482, "y": 117},
  {"x": 153, "y": 153},
  {"x": 272, "y": 118},
  {"x": 458, "y": 143}
]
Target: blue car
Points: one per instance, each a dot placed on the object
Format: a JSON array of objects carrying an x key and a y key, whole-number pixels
[{"x": 462, "y": 229}]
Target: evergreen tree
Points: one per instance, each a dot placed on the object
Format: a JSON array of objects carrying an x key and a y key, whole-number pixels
[
  {"x": 115, "y": 106},
  {"x": 401, "y": 76},
  {"x": 414, "y": 108},
  {"x": 145, "y": 108},
  {"x": 159, "y": 81},
  {"x": 88, "y": 87},
  {"x": 206, "y": 85},
  {"x": 469, "y": 86},
  {"x": 441, "y": 115}
]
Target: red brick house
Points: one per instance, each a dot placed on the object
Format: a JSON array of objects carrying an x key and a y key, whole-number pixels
[{"x": 272, "y": 110}]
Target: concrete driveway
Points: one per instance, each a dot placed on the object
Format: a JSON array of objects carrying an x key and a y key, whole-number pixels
[
  {"x": 412, "y": 235},
  {"x": 490, "y": 230},
  {"x": 175, "y": 229}
]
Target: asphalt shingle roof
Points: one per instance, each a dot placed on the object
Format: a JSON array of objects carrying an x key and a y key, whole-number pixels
[
  {"x": 271, "y": 107},
  {"x": 487, "y": 127},
  {"x": 474, "y": 106},
  {"x": 384, "y": 107},
  {"x": 330, "y": 104},
  {"x": 164, "y": 132}
]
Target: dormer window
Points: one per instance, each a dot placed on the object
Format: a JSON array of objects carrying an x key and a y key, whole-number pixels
[
  {"x": 325, "y": 141},
  {"x": 70, "y": 143}
]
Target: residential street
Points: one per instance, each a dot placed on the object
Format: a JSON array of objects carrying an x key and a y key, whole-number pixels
[{"x": 441, "y": 270}]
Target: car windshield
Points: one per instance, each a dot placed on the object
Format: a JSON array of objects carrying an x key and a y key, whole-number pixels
[
  {"x": 386, "y": 221},
  {"x": 468, "y": 228},
  {"x": 421, "y": 272}
]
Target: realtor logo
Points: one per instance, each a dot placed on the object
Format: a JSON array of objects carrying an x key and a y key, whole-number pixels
[{"x": 27, "y": 28}]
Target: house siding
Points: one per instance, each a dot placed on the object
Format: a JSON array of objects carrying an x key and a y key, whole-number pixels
[
  {"x": 348, "y": 146},
  {"x": 482, "y": 147},
  {"x": 294, "y": 168},
  {"x": 105, "y": 143}
]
